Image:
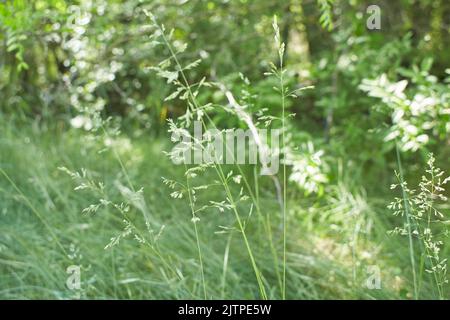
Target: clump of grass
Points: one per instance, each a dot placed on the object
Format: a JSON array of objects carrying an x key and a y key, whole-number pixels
[
  {"x": 176, "y": 74},
  {"x": 424, "y": 222}
]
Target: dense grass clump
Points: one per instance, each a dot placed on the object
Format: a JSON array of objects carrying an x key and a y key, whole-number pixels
[{"x": 46, "y": 228}]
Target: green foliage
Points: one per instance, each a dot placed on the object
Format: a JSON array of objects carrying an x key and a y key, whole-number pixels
[{"x": 92, "y": 89}]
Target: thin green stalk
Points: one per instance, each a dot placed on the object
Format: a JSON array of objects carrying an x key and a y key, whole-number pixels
[
  {"x": 34, "y": 210},
  {"x": 408, "y": 223},
  {"x": 230, "y": 198},
  {"x": 119, "y": 159}
]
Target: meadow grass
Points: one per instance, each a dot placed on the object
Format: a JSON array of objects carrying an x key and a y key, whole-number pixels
[{"x": 42, "y": 224}]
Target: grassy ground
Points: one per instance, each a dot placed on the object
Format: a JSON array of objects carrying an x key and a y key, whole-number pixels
[{"x": 332, "y": 242}]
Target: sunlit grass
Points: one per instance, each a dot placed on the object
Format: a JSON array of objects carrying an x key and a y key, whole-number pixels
[{"x": 33, "y": 265}]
